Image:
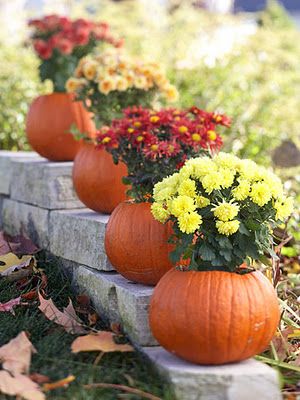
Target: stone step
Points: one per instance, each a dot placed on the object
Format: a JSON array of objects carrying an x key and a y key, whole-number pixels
[
  {"x": 24, "y": 218},
  {"x": 6, "y": 159},
  {"x": 78, "y": 235},
  {"x": 42, "y": 183},
  {"x": 246, "y": 380},
  {"x": 118, "y": 300}
]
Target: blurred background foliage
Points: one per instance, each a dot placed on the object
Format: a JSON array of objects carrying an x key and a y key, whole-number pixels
[
  {"x": 245, "y": 66},
  {"x": 18, "y": 86}
]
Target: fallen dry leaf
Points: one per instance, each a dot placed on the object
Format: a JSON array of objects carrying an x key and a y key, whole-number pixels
[
  {"x": 58, "y": 384},
  {"x": 67, "y": 319},
  {"x": 93, "y": 318},
  {"x": 10, "y": 263},
  {"x": 20, "y": 385},
  {"x": 15, "y": 356},
  {"x": 39, "y": 378},
  {"x": 101, "y": 341},
  {"x": 18, "y": 245},
  {"x": 9, "y": 305}
]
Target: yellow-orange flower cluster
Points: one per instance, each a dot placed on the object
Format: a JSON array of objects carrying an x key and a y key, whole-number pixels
[{"x": 117, "y": 71}]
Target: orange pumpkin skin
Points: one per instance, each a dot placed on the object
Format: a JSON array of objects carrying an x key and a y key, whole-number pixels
[
  {"x": 50, "y": 118},
  {"x": 136, "y": 244},
  {"x": 214, "y": 317},
  {"x": 97, "y": 180}
]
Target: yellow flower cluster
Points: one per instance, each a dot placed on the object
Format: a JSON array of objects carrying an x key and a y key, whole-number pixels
[
  {"x": 232, "y": 183},
  {"x": 113, "y": 70}
]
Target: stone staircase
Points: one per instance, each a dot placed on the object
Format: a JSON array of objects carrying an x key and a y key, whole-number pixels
[{"x": 37, "y": 198}]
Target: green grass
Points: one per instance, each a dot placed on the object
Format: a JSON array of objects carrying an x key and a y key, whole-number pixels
[{"x": 55, "y": 360}]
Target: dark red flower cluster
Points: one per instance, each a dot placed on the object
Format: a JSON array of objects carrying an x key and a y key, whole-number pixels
[
  {"x": 56, "y": 32},
  {"x": 165, "y": 133}
]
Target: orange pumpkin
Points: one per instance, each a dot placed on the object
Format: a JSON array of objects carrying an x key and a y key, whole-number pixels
[
  {"x": 97, "y": 180},
  {"x": 48, "y": 121},
  {"x": 136, "y": 244},
  {"x": 214, "y": 317}
]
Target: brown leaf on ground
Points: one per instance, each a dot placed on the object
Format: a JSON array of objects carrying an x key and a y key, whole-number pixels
[
  {"x": 10, "y": 263},
  {"x": 101, "y": 341},
  {"x": 15, "y": 356},
  {"x": 39, "y": 378},
  {"x": 20, "y": 385},
  {"x": 18, "y": 245},
  {"x": 59, "y": 384},
  {"x": 93, "y": 318},
  {"x": 9, "y": 305},
  {"x": 281, "y": 343},
  {"x": 67, "y": 319}
]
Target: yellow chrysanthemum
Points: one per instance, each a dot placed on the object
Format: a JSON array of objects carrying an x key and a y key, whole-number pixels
[
  {"x": 260, "y": 193},
  {"x": 202, "y": 201},
  {"x": 201, "y": 166},
  {"x": 247, "y": 169},
  {"x": 226, "y": 160},
  {"x": 226, "y": 177},
  {"x": 274, "y": 184},
  {"x": 188, "y": 188},
  {"x": 228, "y": 228},
  {"x": 73, "y": 84},
  {"x": 89, "y": 69},
  {"x": 182, "y": 205},
  {"x": 186, "y": 172},
  {"x": 189, "y": 222},
  {"x": 140, "y": 82},
  {"x": 284, "y": 207},
  {"x": 121, "y": 84},
  {"x": 226, "y": 211},
  {"x": 107, "y": 85},
  {"x": 211, "y": 182},
  {"x": 171, "y": 93},
  {"x": 164, "y": 194},
  {"x": 159, "y": 212},
  {"x": 241, "y": 192}
]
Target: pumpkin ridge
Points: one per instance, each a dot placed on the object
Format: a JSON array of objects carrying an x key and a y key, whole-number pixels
[
  {"x": 250, "y": 315},
  {"x": 230, "y": 319},
  {"x": 266, "y": 337}
]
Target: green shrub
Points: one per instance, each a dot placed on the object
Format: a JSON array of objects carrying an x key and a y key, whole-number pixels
[
  {"x": 19, "y": 84},
  {"x": 258, "y": 85}
]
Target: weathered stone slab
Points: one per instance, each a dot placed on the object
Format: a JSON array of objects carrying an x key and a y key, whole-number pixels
[
  {"x": 78, "y": 235},
  {"x": 30, "y": 220},
  {"x": 1, "y": 207},
  {"x": 119, "y": 301},
  {"x": 6, "y": 158},
  {"x": 246, "y": 380},
  {"x": 43, "y": 183}
]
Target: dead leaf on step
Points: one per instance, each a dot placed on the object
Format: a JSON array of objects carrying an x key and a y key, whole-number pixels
[
  {"x": 15, "y": 356},
  {"x": 59, "y": 384},
  {"x": 67, "y": 319},
  {"x": 9, "y": 305},
  {"x": 101, "y": 341},
  {"x": 10, "y": 263},
  {"x": 18, "y": 245}
]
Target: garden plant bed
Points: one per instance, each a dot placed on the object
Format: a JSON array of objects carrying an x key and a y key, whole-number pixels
[{"x": 38, "y": 199}]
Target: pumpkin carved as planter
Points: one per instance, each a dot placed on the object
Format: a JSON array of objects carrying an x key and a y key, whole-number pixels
[
  {"x": 97, "y": 180},
  {"x": 214, "y": 317},
  {"x": 49, "y": 120},
  {"x": 136, "y": 244}
]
